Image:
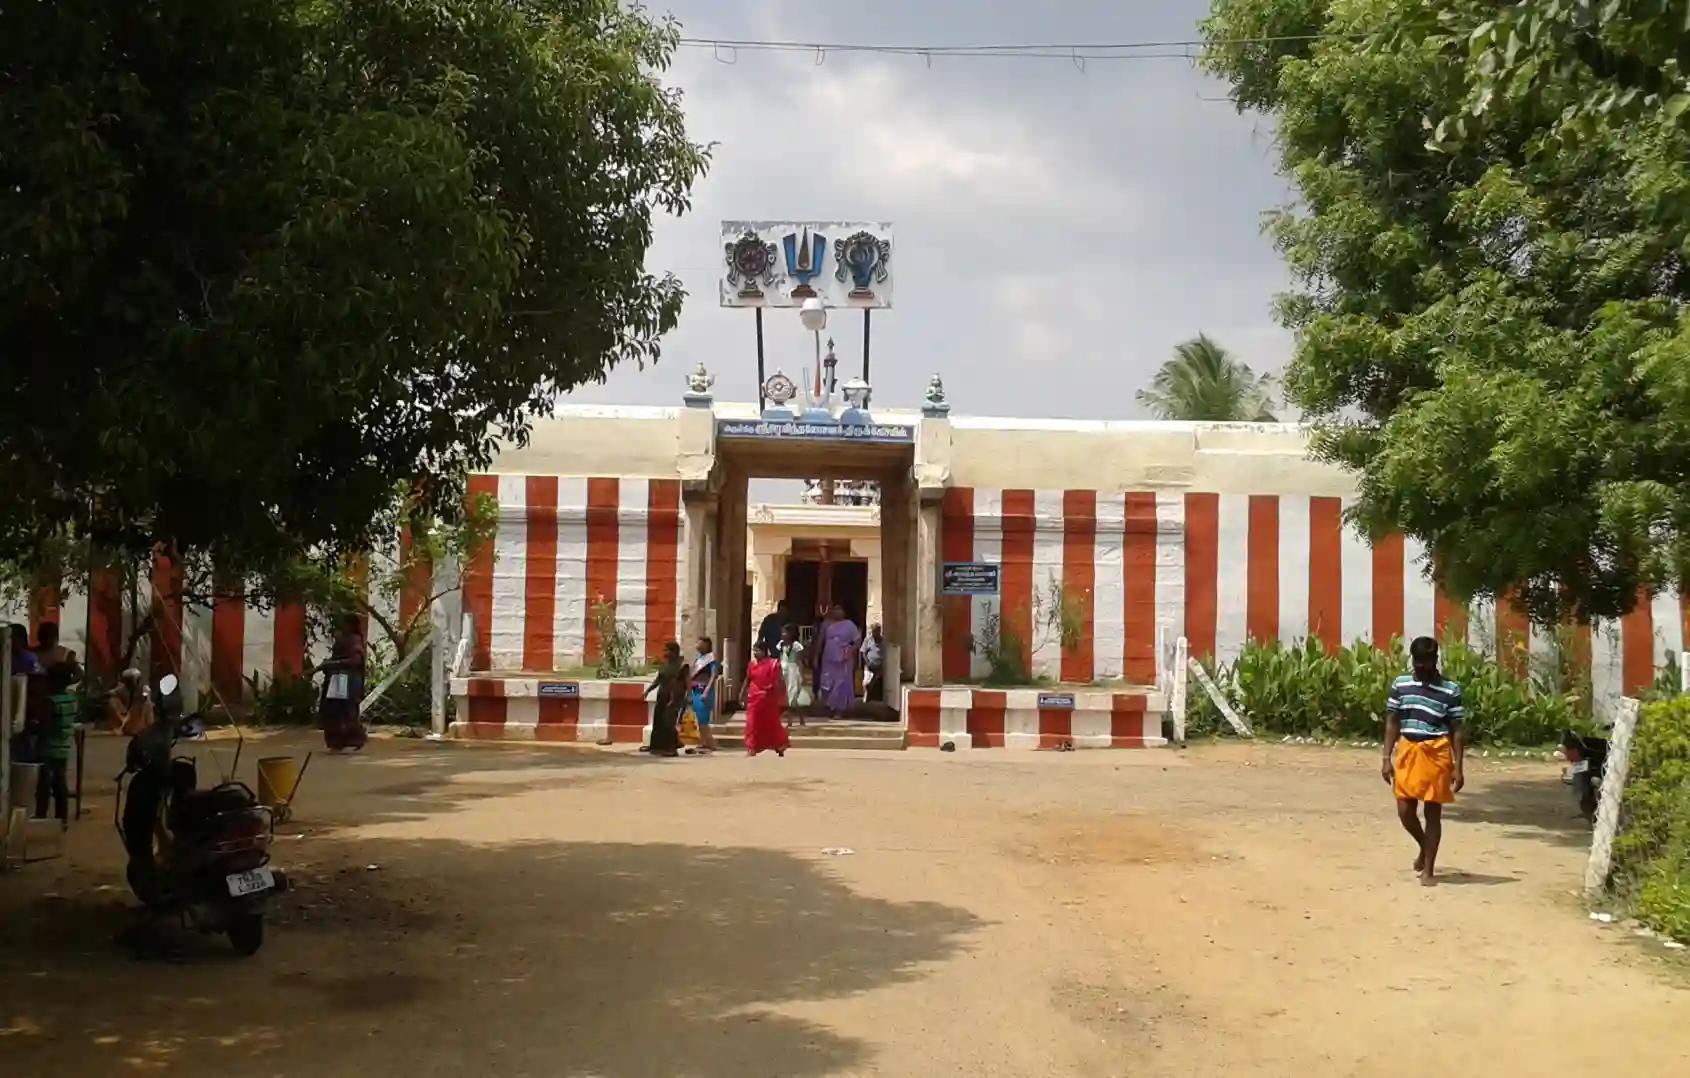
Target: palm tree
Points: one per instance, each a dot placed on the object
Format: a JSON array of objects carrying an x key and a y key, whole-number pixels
[{"x": 1204, "y": 381}]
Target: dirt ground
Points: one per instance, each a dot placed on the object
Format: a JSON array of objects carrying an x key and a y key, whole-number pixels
[{"x": 1239, "y": 910}]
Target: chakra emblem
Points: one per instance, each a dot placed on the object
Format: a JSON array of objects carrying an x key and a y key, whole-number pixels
[
  {"x": 864, "y": 257},
  {"x": 750, "y": 260},
  {"x": 779, "y": 388},
  {"x": 804, "y": 254}
]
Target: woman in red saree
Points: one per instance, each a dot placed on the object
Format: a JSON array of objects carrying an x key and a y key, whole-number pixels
[{"x": 765, "y": 702}]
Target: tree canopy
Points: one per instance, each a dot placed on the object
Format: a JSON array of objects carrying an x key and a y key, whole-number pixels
[
  {"x": 1492, "y": 246},
  {"x": 264, "y": 265},
  {"x": 1205, "y": 381}
]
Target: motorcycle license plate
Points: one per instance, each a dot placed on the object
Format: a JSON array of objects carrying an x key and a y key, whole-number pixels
[
  {"x": 1579, "y": 767},
  {"x": 250, "y": 883}
]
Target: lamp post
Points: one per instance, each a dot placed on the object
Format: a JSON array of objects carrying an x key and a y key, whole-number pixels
[{"x": 814, "y": 317}]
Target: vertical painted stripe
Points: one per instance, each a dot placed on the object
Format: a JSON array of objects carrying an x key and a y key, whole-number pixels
[
  {"x": 288, "y": 644},
  {"x": 1170, "y": 573},
  {"x": 228, "y": 642},
  {"x": 1127, "y": 725},
  {"x": 166, "y": 602},
  {"x": 1293, "y": 567},
  {"x": 1018, "y": 523},
  {"x": 1419, "y": 613},
  {"x": 417, "y": 579},
  {"x": 988, "y": 549},
  {"x": 1637, "y": 644},
  {"x": 258, "y": 643},
  {"x": 1050, "y": 586},
  {"x": 1202, "y": 539},
  {"x": 1232, "y": 586},
  {"x": 1450, "y": 616},
  {"x": 1261, "y": 612},
  {"x": 1326, "y": 572},
  {"x": 632, "y": 555},
  {"x": 1481, "y": 626},
  {"x": 570, "y": 632},
  {"x": 663, "y": 541},
  {"x": 539, "y": 577},
  {"x": 105, "y": 624},
  {"x": 602, "y": 503},
  {"x": 478, "y": 579},
  {"x": 1356, "y": 601},
  {"x": 44, "y": 606},
  {"x": 1513, "y": 636},
  {"x": 985, "y": 718},
  {"x": 510, "y": 575},
  {"x": 1139, "y": 558},
  {"x": 1079, "y": 578},
  {"x": 1109, "y": 599},
  {"x": 956, "y": 544},
  {"x": 1387, "y": 584},
  {"x": 1669, "y": 629}
]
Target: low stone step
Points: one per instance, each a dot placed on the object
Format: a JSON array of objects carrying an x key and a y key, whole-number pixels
[{"x": 864, "y": 735}]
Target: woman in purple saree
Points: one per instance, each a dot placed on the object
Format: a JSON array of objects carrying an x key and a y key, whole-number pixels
[{"x": 839, "y": 640}]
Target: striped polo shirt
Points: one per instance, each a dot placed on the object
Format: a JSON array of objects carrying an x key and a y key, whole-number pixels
[{"x": 1424, "y": 709}]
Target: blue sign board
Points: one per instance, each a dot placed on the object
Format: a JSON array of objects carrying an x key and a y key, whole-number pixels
[
  {"x": 795, "y": 430},
  {"x": 1056, "y": 701},
  {"x": 566, "y": 689},
  {"x": 969, "y": 578}
]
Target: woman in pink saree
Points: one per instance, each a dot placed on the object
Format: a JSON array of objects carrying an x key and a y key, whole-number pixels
[
  {"x": 839, "y": 640},
  {"x": 765, "y": 701}
]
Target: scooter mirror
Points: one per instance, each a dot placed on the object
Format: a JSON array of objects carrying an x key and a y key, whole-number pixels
[{"x": 167, "y": 684}]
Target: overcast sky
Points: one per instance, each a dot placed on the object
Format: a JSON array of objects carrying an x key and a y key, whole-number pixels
[{"x": 1058, "y": 232}]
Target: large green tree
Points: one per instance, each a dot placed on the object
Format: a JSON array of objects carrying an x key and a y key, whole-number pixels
[
  {"x": 1205, "y": 381},
  {"x": 1492, "y": 243},
  {"x": 263, "y": 263}
]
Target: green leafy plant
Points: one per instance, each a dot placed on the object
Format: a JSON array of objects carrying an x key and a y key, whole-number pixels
[
  {"x": 1001, "y": 647},
  {"x": 1652, "y": 851},
  {"x": 286, "y": 701},
  {"x": 619, "y": 642}
]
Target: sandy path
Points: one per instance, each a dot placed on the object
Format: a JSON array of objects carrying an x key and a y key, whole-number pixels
[{"x": 1238, "y": 910}]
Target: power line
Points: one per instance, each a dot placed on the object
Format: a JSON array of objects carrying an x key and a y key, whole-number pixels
[{"x": 1076, "y": 52}]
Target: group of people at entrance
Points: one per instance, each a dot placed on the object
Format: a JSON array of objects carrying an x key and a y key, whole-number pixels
[
  {"x": 685, "y": 708},
  {"x": 839, "y": 646}
]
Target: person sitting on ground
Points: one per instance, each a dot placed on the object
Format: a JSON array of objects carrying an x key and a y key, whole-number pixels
[
  {"x": 1423, "y": 750},
  {"x": 129, "y": 707},
  {"x": 56, "y": 743}
]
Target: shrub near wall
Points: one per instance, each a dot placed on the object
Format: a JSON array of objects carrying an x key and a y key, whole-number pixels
[
  {"x": 1652, "y": 853},
  {"x": 1301, "y": 690}
]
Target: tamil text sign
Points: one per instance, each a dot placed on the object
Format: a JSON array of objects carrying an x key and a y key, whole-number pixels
[
  {"x": 794, "y": 430},
  {"x": 970, "y": 578}
]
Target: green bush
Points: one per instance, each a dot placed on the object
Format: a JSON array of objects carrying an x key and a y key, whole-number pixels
[
  {"x": 1652, "y": 852},
  {"x": 288, "y": 701},
  {"x": 1300, "y": 690},
  {"x": 408, "y": 701}
]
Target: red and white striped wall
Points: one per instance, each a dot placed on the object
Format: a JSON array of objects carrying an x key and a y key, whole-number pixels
[
  {"x": 1223, "y": 568},
  {"x": 563, "y": 545},
  {"x": 516, "y": 709},
  {"x": 970, "y": 718}
]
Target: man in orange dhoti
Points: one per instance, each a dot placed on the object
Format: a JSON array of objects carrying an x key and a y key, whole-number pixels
[{"x": 1423, "y": 751}]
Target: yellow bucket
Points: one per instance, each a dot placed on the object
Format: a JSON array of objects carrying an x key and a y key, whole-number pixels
[{"x": 277, "y": 776}]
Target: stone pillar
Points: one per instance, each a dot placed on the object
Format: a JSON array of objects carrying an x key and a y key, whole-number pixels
[
  {"x": 929, "y": 650},
  {"x": 698, "y": 504},
  {"x": 897, "y": 556}
]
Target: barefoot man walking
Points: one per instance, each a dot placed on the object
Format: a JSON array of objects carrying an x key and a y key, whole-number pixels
[{"x": 1423, "y": 750}]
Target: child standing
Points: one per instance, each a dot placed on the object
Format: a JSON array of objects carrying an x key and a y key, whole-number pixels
[{"x": 56, "y": 742}]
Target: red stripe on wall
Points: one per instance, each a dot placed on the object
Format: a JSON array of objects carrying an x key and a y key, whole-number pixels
[
  {"x": 628, "y": 712},
  {"x": 1079, "y": 568},
  {"x": 1449, "y": 614},
  {"x": 559, "y": 717},
  {"x": 44, "y": 606},
  {"x": 1513, "y": 636},
  {"x": 1138, "y": 577},
  {"x": 1387, "y": 589},
  {"x": 287, "y": 646},
  {"x": 1056, "y": 726},
  {"x": 105, "y": 623},
  {"x": 539, "y": 578},
  {"x": 1017, "y": 583},
  {"x": 228, "y": 642},
  {"x": 1127, "y": 721},
  {"x": 1637, "y": 647},
  {"x": 417, "y": 578},
  {"x": 1261, "y": 609},
  {"x": 956, "y": 544},
  {"x": 1202, "y": 571},
  {"x": 922, "y": 718},
  {"x": 662, "y": 554},
  {"x": 478, "y": 579},
  {"x": 985, "y": 718},
  {"x": 602, "y": 501},
  {"x": 1326, "y": 572},
  {"x": 166, "y": 638}
]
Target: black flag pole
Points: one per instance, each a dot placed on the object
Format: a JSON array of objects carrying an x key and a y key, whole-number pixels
[{"x": 761, "y": 400}]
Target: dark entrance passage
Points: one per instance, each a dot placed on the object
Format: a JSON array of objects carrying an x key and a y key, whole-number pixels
[{"x": 813, "y": 585}]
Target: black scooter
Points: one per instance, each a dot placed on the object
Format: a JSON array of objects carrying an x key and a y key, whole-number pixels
[
  {"x": 201, "y": 855},
  {"x": 1587, "y": 759}
]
